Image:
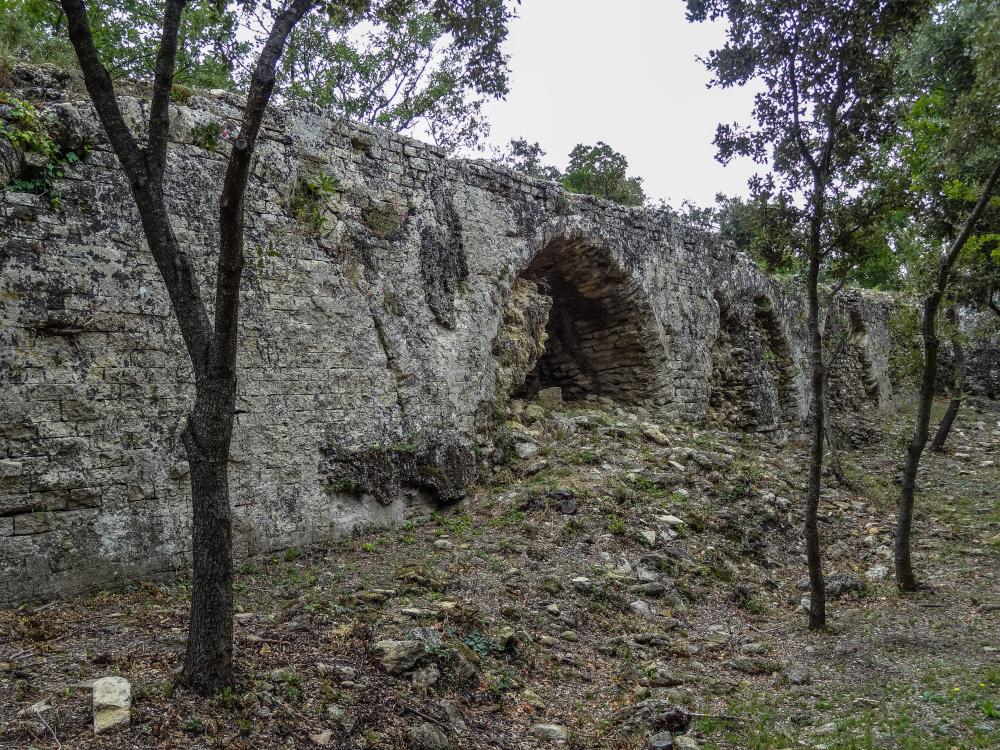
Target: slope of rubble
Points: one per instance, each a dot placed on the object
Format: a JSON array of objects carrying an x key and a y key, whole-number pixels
[{"x": 614, "y": 572}]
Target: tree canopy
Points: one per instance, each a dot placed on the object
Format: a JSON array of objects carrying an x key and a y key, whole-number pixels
[
  {"x": 419, "y": 67},
  {"x": 126, "y": 36},
  {"x": 399, "y": 72},
  {"x": 596, "y": 170}
]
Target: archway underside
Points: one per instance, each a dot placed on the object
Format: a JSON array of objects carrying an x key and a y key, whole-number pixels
[
  {"x": 600, "y": 334},
  {"x": 753, "y": 373}
]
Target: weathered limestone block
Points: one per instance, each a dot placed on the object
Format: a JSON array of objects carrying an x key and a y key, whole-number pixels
[{"x": 112, "y": 703}]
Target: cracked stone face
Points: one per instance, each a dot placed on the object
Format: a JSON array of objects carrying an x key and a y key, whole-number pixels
[{"x": 385, "y": 323}]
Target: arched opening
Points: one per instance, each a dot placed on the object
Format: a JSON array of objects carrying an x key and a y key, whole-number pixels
[
  {"x": 852, "y": 383},
  {"x": 778, "y": 359},
  {"x": 731, "y": 402},
  {"x": 753, "y": 373},
  {"x": 600, "y": 335}
]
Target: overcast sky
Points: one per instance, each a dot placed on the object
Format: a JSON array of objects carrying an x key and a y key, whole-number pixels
[{"x": 623, "y": 72}]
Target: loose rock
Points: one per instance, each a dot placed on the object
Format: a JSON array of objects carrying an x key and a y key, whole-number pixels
[
  {"x": 397, "y": 657},
  {"x": 112, "y": 703},
  {"x": 550, "y": 732},
  {"x": 426, "y": 736}
]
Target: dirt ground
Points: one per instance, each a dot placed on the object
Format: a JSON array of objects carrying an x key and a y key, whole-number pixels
[{"x": 621, "y": 569}]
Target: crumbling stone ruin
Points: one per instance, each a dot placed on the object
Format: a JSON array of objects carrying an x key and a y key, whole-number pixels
[{"x": 394, "y": 300}]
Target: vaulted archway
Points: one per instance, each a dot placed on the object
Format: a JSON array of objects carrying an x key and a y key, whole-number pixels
[
  {"x": 852, "y": 383},
  {"x": 601, "y": 336},
  {"x": 754, "y": 384}
]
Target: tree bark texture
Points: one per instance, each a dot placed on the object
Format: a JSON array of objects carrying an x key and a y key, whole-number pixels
[{"x": 817, "y": 588}]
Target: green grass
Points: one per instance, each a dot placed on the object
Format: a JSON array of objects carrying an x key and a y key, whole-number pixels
[{"x": 951, "y": 707}]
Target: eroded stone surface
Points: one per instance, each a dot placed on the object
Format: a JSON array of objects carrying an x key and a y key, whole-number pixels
[{"x": 112, "y": 703}]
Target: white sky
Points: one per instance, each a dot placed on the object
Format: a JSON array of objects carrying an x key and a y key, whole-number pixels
[{"x": 625, "y": 73}]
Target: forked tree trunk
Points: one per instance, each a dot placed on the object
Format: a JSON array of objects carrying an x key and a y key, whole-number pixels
[
  {"x": 958, "y": 361},
  {"x": 212, "y": 346},
  {"x": 905, "y": 579}
]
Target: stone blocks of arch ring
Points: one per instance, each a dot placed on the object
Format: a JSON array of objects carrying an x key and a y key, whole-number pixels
[{"x": 377, "y": 337}]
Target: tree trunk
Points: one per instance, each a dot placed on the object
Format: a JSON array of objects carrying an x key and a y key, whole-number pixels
[
  {"x": 944, "y": 428},
  {"x": 208, "y": 665},
  {"x": 817, "y": 598},
  {"x": 905, "y": 580}
]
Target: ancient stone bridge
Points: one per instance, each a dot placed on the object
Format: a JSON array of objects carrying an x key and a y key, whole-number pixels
[{"x": 394, "y": 300}]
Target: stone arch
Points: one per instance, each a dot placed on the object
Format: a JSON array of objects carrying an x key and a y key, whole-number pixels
[
  {"x": 853, "y": 382},
  {"x": 779, "y": 360},
  {"x": 730, "y": 402},
  {"x": 601, "y": 337},
  {"x": 754, "y": 377}
]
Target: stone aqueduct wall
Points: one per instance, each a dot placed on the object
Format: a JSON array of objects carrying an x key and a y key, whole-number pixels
[{"x": 375, "y": 338}]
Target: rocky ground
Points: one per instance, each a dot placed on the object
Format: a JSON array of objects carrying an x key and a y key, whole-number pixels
[{"x": 612, "y": 570}]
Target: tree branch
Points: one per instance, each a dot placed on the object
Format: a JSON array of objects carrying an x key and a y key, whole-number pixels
[
  {"x": 969, "y": 227},
  {"x": 159, "y": 113},
  {"x": 175, "y": 267},
  {"x": 102, "y": 94},
  {"x": 230, "y": 267},
  {"x": 796, "y": 123}
]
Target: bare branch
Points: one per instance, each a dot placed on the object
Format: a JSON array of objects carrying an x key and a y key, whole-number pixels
[
  {"x": 159, "y": 113},
  {"x": 796, "y": 123},
  {"x": 230, "y": 267}
]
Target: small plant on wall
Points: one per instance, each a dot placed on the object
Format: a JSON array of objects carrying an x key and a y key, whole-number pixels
[
  {"x": 23, "y": 125},
  {"x": 310, "y": 199},
  {"x": 207, "y": 136}
]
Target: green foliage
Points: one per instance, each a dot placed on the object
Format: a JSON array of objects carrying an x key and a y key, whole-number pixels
[
  {"x": 616, "y": 525},
  {"x": 260, "y": 255},
  {"x": 419, "y": 67},
  {"x": 293, "y": 686},
  {"x": 23, "y": 125},
  {"x": 601, "y": 171},
  {"x": 207, "y": 136},
  {"x": 342, "y": 485},
  {"x": 951, "y": 140},
  {"x": 193, "y": 726},
  {"x": 527, "y": 158},
  {"x": 643, "y": 484},
  {"x": 310, "y": 200},
  {"x": 482, "y": 645},
  {"x": 181, "y": 94},
  {"x": 822, "y": 115},
  {"x": 127, "y": 35},
  {"x": 765, "y": 226},
  {"x": 593, "y": 170}
]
